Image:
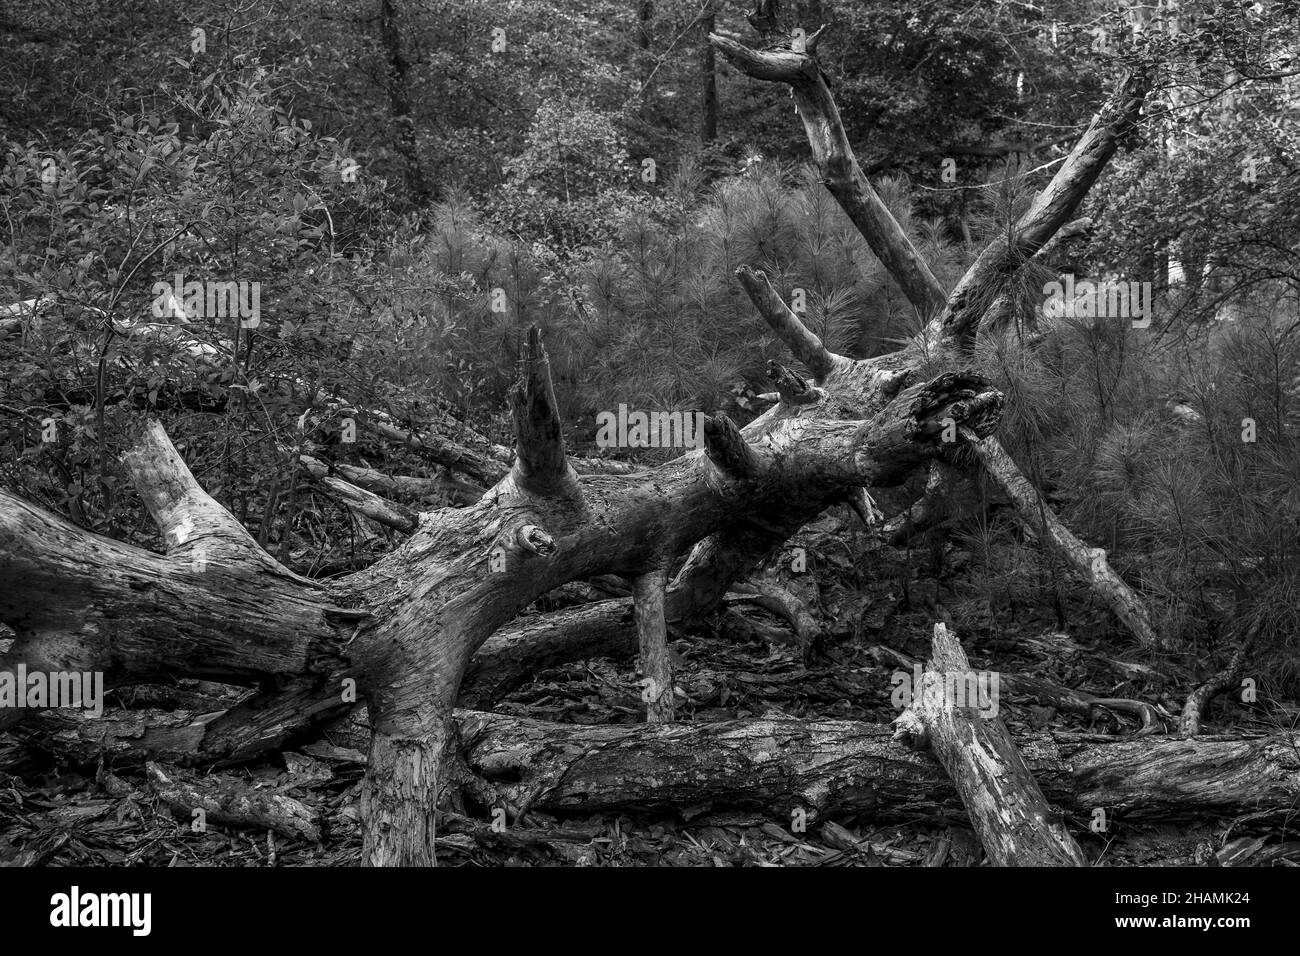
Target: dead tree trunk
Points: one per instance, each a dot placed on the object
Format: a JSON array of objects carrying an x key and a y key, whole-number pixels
[
  {"x": 652, "y": 636},
  {"x": 708, "y": 78},
  {"x": 399, "y": 99}
]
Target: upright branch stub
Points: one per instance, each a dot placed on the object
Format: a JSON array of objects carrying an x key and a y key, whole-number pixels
[
  {"x": 791, "y": 387},
  {"x": 728, "y": 449},
  {"x": 541, "y": 466},
  {"x": 798, "y": 338},
  {"x": 953, "y": 405}
]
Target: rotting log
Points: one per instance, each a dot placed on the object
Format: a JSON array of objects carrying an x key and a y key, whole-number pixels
[{"x": 828, "y": 767}]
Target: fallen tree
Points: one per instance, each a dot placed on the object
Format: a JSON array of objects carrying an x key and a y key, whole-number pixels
[
  {"x": 840, "y": 767},
  {"x": 402, "y": 633},
  {"x": 825, "y": 767}
]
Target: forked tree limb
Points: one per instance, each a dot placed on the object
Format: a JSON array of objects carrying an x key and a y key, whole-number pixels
[
  {"x": 956, "y": 316},
  {"x": 595, "y": 524},
  {"x": 413, "y": 660},
  {"x": 839, "y": 167},
  {"x": 1049, "y": 212}
]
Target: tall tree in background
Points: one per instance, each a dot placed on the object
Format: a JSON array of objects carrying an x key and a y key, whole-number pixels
[
  {"x": 399, "y": 99},
  {"x": 645, "y": 11},
  {"x": 708, "y": 78}
]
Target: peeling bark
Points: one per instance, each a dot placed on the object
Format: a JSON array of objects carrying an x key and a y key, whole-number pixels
[
  {"x": 652, "y": 638},
  {"x": 829, "y": 767},
  {"x": 838, "y": 767},
  {"x": 1006, "y": 807}
]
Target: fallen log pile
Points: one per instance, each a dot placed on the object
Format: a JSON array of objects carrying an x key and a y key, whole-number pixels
[{"x": 436, "y": 622}]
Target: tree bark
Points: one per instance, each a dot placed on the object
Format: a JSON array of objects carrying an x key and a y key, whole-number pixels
[
  {"x": 399, "y": 99},
  {"x": 405, "y": 629},
  {"x": 835, "y": 767},
  {"x": 652, "y": 638},
  {"x": 829, "y": 767},
  {"x": 1006, "y": 807}
]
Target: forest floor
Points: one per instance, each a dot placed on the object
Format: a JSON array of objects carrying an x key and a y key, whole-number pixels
[{"x": 863, "y": 596}]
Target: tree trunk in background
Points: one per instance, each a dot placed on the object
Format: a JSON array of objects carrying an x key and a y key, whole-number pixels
[
  {"x": 399, "y": 100},
  {"x": 811, "y": 15},
  {"x": 708, "y": 79},
  {"x": 645, "y": 11}
]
